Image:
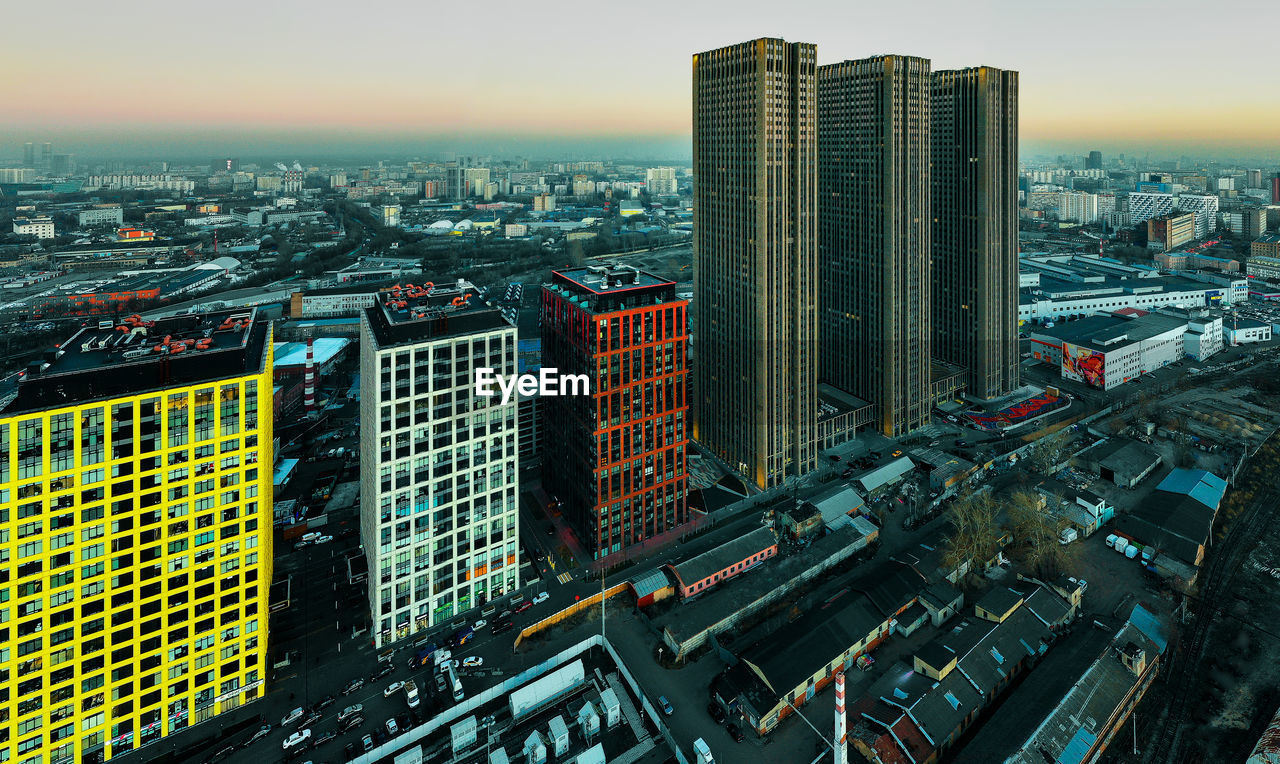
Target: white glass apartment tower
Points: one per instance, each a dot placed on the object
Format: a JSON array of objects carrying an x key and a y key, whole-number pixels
[{"x": 438, "y": 510}]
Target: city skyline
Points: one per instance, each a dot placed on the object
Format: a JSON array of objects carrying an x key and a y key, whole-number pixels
[{"x": 315, "y": 85}]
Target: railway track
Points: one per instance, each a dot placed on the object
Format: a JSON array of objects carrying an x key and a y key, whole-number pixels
[{"x": 1216, "y": 582}]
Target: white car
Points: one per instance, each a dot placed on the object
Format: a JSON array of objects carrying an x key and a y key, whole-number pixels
[
  {"x": 323, "y": 540},
  {"x": 541, "y": 598},
  {"x": 312, "y": 536},
  {"x": 291, "y": 717},
  {"x": 411, "y": 694},
  {"x": 392, "y": 728},
  {"x": 480, "y": 624},
  {"x": 473, "y": 661},
  {"x": 297, "y": 739},
  {"x": 392, "y": 689}
]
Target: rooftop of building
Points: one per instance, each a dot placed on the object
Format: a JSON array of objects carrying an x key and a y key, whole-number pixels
[
  {"x": 1268, "y": 238},
  {"x": 727, "y": 554},
  {"x": 418, "y": 313},
  {"x": 107, "y": 358},
  {"x": 1104, "y": 331},
  {"x": 611, "y": 286},
  {"x": 1122, "y": 455},
  {"x": 1070, "y": 729},
  {"x": 323, "y": 350}
]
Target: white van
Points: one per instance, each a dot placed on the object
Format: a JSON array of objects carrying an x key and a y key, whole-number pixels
[
  {"x": 451, "y": 676},
  {"x": 703, "y": 752},
  {"x": 1067, "y": 536}
]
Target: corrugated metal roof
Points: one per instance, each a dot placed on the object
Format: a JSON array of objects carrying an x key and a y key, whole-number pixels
[
  {"x": 1079, "y": 747},
  {"x": 646, "y": 584},
  {"x": 1205, "y": 487}
]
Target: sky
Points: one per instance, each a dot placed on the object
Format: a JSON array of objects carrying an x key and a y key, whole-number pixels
[{"x": 152, "y": 78}]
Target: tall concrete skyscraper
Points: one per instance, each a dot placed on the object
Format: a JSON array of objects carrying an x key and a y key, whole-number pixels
[
  {"x": 755, "y": 130},
  {"x": 874, "y": 222},
  {"x": 1091, "y": 162},
  {"x": 974, "y": 128},
  {"x": 28, "y": 154}
]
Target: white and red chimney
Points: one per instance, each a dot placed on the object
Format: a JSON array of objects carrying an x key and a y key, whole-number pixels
[{"x": 309, "y": 380}]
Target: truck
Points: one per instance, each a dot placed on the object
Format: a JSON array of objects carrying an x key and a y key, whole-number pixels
[
  {"x": 463, "y": 636},
  {"x": 702, "y": 752},
  {"x": 1067, "y": 536}
]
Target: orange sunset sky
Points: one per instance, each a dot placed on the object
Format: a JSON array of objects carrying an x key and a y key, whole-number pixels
[{"x": 1119, "y": 75}]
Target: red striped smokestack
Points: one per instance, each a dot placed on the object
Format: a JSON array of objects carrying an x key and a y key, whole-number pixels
[{"x": 309, "y": 381}]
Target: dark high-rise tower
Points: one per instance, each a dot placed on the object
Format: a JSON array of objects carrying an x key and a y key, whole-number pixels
[
  {"x": 755, "y": 125},
  {"x": 975, "y": 225},
  {"x": 28, "y": 154},
  {"x": 46, "y": 155},
  {"x": 1093, "y": 161},
  {"x": 874, "y": 222}
]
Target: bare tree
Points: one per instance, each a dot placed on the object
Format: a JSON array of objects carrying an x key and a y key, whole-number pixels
[
  {"x": 1035, "y": 530},
  {"x": 975, "y": 534}
]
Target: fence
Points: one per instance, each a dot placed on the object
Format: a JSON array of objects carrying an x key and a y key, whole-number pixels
[{"x": 572, "y": 610}]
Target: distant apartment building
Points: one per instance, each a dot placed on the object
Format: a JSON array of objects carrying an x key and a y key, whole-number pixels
[
  {"x": 1275, "y": 188},
  {"x": 387, "y": 215},
  {"x": 331, "y": 303},
  {"x": 438, "y": 511},
  {"x": 1077, "y": 207},
  {"x": 17, "y": 175},
  {"x": 621, "y": 448},
  {"x": 515, "y": 230},
  {"x": 1253, "y": 178},
  {"x": 661, "y": 181},
  {"x": 269, "y": 183},
  {"x": 1168, "y": 232},
  {"x": 1143, "y": 206},
  {"x": 1205, "y": 208},
  {"x": 466, "y": 182},
  {"x": 544, "y": 203},
  {"x": 337, "y": 180},
  {"x": 160, "y": 182},
  {"x": 1267, "y": 245},
  {"x": 40, "y": 227},
  {"x": 1254, "y": 222},
  {"x": 1093, "y": 161},
  {"x": 101, "y": 214},
  {"x": 1178, "y": 261}
]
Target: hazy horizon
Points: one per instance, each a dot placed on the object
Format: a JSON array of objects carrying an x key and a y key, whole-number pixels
[{"x": 579, "y": 79}]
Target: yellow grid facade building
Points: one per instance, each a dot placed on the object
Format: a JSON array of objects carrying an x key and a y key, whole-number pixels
[{"x": 135, "y": 540}]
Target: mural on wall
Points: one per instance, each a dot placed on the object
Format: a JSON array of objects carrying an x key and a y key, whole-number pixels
[{"x": 1083, "y": 365}]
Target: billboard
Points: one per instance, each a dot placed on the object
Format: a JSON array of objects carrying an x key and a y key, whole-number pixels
[{"x": 1083, "y": 365}]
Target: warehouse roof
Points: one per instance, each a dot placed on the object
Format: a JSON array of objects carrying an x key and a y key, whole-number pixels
[
  {"x": 729, "y": 553},
  {"x": 1205, "y": 487}
]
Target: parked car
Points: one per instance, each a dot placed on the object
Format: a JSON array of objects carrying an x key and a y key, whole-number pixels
[
  {"x": 393, "y": 729},
  {"x": 717, "y": 713},
  {"x": 325, "y": 737},
  {"x": 383, "y": 672},
  {"x": 309, "y": 718},
  {"x": 311, "y": 536},
  {"x": 473, "y": 661},
  {"x": 352, "y": 686},
  {"x": 523, "y": 606},
  {"x": 502, "y": 626},
  {"x": 411, "y": 694},
  {"x": 323, "y": 540},
  {"x": 262, "y": 732},
  {"x": 297, "y": 739},
  {"x": 351, "y": 723},
  {"x": 349, "y": 712},
  {"x": 367, "y": 742},
  {"x": 325, "y": 702},
  {"x": 291, "y": 717},
  {"x": 504, "y": 615},
  {"x": 665, "y": 705},
  {"x": 441, "y": 683},
  {"x": 392, "y": 689},
  {"x": 480, "y": 624},
  {"x": 735, "y": 733},
  {"x": 541, "y": 598},
  {"x": 349, "y": 751}
]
